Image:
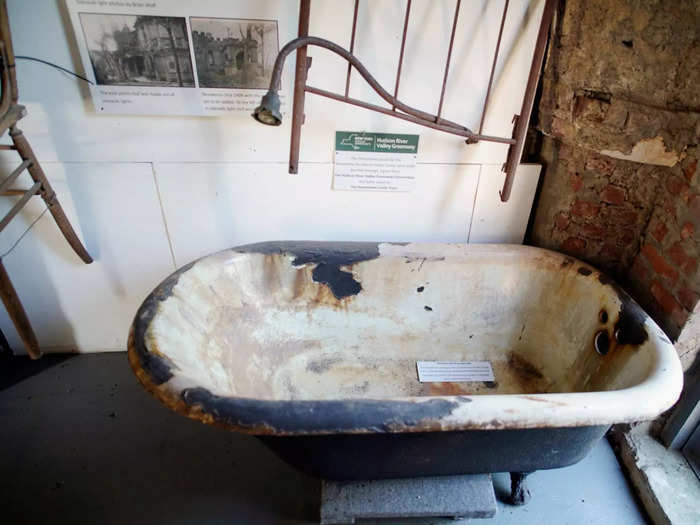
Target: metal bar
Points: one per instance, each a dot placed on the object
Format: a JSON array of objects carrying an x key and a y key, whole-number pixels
[
  {"x": 516, "y": 150},
  {"x": 335, "y": 48},
  {"x": 493, "y": 67},
  {"x": 447, "y": 63},
  {"x": 14, "y": 308},
  {"x": 403, "y": 45},
  {"x": 352, "y": 47},
  {"x": 442, "y": 126},
  {"x": 299, "y": 83},
  {"x": 12, "y": 176},
  {"x": 19, "y": 205}
]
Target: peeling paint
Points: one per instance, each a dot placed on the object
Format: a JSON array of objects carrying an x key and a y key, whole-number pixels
[{"x": 647, "y": 151}]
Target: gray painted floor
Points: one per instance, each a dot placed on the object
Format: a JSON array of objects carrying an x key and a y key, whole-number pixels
[{"x": 82, "y": 442}]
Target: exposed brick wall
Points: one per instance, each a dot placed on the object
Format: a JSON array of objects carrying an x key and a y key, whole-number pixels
[
  {"x": 593, "y": 207},
  {"x": 664, "y": 274},
  {"x": 620, "y": 114}
]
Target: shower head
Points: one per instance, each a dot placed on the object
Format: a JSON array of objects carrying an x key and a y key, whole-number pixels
[{"x": 268, "y": 112}]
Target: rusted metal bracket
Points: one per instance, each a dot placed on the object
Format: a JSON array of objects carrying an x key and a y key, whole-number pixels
[
  {"x": 299, "y": 83},
  {"x": 515, "y": 152},
  {"x": 269, "y": 110}
]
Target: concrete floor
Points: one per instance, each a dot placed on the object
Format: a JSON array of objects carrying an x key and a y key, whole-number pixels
[{"x": 82, "y": 442}]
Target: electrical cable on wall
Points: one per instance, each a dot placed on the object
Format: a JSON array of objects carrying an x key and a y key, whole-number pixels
[
  {"x": 51, "y": 64},
  {"x": 60, "y": 68}
]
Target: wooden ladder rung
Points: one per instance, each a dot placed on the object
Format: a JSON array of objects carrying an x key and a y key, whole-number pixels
[
  {"x": 12, "y": 192},
  {"x": 7, "y": 147},
  {"x": 12, "y": 176},
  {"x": 20, "y": 204}
]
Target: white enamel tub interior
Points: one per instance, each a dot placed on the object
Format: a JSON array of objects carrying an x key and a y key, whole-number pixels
[{"x": 281, "y": 325}]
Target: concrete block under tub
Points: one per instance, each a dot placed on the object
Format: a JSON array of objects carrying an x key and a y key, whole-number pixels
[{"x": 440, "y": 496}]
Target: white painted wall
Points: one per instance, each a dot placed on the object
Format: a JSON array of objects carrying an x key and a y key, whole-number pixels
[{"x": 149, "y": 194}]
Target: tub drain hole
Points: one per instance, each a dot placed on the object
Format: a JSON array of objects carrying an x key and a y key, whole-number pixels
[{"x": 601, "y": 342}]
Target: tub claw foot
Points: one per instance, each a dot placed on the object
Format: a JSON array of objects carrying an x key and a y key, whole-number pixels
[{"x": 519, "y": 493}]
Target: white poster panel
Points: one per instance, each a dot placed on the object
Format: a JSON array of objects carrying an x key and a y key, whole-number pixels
[{"x": 174, "y": 57}]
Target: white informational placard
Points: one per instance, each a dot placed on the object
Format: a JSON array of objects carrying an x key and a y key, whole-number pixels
[
  {"x": 374, "y": 161},
  {"x": 454, "y": 371},
  {"x": 175, "y": 57}
]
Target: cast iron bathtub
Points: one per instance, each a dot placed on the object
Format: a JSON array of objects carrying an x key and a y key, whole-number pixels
[{"x": 312, "y": 346}]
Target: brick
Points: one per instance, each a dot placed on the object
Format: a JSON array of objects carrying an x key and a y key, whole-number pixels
[
  {"x": 613, "y": 194},
  {"x": 665, "y": 298},
  {"x": 675, "y": 185},
  {"x": 621, "y": 215},
  {"x": 573, "y": 245},
  {"x": 687, "y": 230},
  {"x": 659, "y": 264},
  {"x": 687, "y": 263},
  {"x": 600, "y": 164},
  {"x": 688, "y": 298},
  {"x": 590, "y": 109},
  {"x": 626, "y": 236},
  {"x": 593, "y": 231},
  {"x": 580, "y": 103},
  {"x": 561, "y": 221},
  {"x": 689, "y": 170},
  {"x": 659, "y": 231},
  {"x": 575, "y": 181},
  {"x": 584, "y": 208},
  {"x": 670, "y": 207}
]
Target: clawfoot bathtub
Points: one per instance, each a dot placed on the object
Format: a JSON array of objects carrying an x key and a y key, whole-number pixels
[{"x": 312, "y": 346}]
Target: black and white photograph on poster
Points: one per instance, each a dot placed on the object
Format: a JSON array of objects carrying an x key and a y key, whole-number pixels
[
  {"x": 138, "y": 50},
  {"x": 234, "y": 53}
]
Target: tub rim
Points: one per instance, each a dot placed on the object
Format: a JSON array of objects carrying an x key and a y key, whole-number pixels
[{"x": 660, "y": 389}]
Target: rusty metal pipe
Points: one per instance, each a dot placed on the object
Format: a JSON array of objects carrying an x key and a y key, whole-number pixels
[
  {"x": 403, "y": 46},
  {"x": 299, "y": 83},
  {"x": 516, "y": 151},
  {"x": 352, "y": 45},
  {"x": 449, "y": 57},
  {"x": 493, "y": 66},
  {"x": 463, "y": 132},
  {"x": 268, "y": 111}
]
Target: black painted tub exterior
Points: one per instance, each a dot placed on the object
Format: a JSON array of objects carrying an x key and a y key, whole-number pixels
[{"x": 380, "y": 456}]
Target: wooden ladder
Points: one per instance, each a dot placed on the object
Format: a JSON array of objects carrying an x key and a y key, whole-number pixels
[{"x": 10, "y": 113}]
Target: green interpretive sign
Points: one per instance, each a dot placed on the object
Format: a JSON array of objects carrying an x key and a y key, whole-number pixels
[
  {"x": 375, "y": 142},
  {"x": 374, "y": 161}
]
